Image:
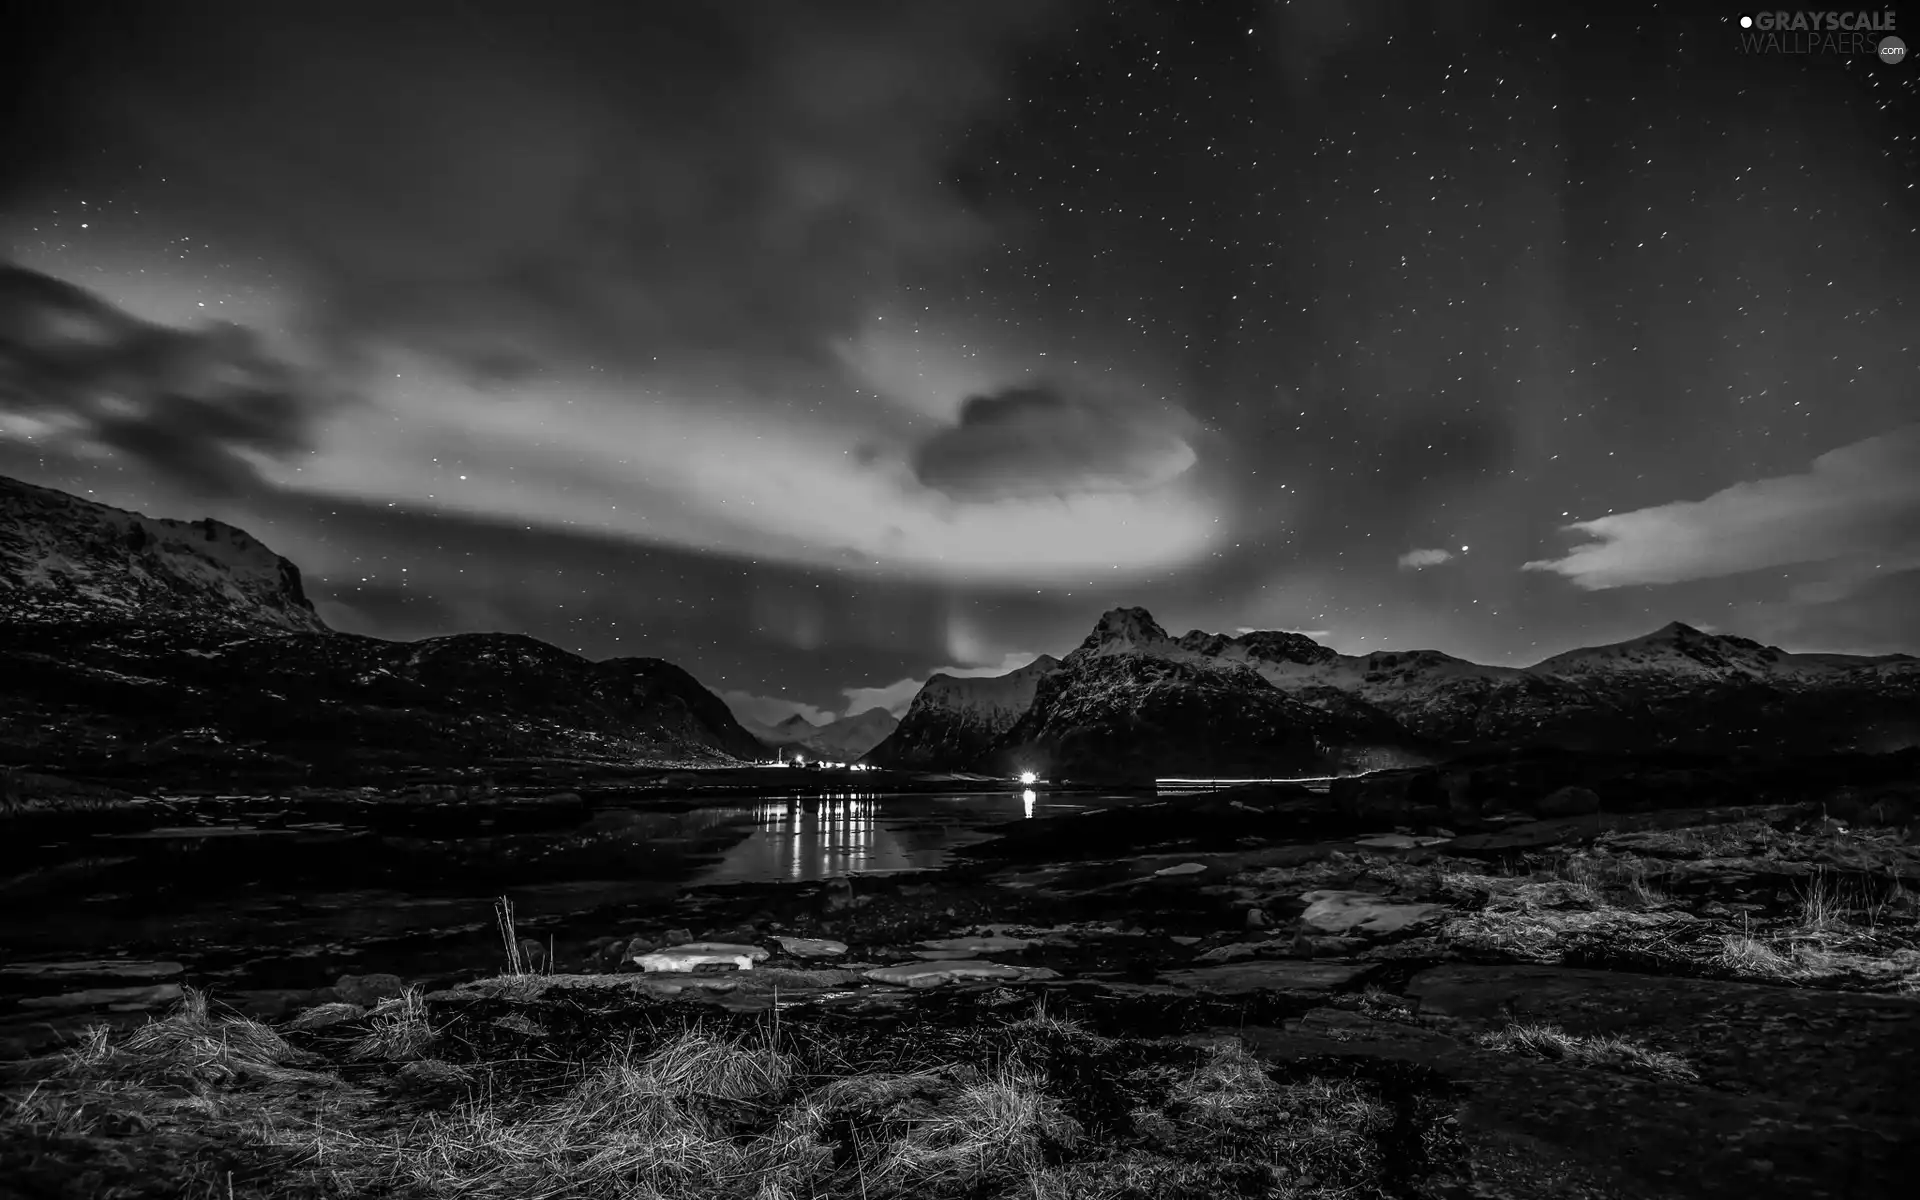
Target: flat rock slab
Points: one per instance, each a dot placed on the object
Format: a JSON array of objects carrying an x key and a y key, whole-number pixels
[
  {"x": 1342, "y": 913},
  {"x": 700, "y": 954},
  {"x": 94, "y": 968},
  {"x": 984, "y": 944},
  {"x": 1235, "y": 950},
  {"x": 933, "y": 974},
  {"x": 812, "y": 947},
  {"x": 1178, "y": 869},
  {"x": 1296, "y": 975},
  {"x": 1398, "y": 841},
  {"x": 127, "y": 999}
]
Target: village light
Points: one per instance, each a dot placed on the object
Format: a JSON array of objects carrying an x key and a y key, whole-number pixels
[{"x": 1028, "y": 778}]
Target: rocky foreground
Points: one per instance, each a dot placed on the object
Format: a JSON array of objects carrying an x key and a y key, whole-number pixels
[{"x": 1704, "y": 1003}]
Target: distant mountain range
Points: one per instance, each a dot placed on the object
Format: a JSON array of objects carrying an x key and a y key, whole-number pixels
[
  {"x": 133, "y": 643},
  {"x": 846, "y": 739},
  {"x": 130, "y": 643},
  {"x": 1132, "y": 699}
]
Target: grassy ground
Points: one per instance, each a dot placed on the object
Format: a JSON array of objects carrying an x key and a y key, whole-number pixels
[
  {"x": 1743, "y": 901},
  {"x": 1014, "y": 1101}
]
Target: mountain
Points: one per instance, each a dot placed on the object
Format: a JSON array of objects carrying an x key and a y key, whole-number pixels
[
  {"x": 1131, "y": 702},
  {"x": 954, "y": 720},
  {"x": 852, "y": 737},
  {"x": 65, "y": 559},
  {"x": 135, "y": 645},
  {"x": 1682, "y": 687},
  {"x": 1681, "y": 652},
  {"x": 795, "y": 728},
  {"x": 1678, "y": 687},
  {"x": 1133, "y": 699},
  {"x": 841, "y": 740}
]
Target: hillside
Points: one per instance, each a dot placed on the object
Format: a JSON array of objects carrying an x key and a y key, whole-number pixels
[{"x": 129, "y": 644}]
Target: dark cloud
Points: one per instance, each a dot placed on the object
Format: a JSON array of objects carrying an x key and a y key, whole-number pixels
[
  {"x": 188, "y": 404},
  {"x": 688, "y": 185},
  {"x": 1040, "y": 439}
]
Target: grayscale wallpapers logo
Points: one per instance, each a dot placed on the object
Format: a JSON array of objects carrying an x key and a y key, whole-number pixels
[{"x": 1823, "y": 32}]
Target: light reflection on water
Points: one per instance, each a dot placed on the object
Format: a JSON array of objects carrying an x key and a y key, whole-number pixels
[{"x": 818, "y": 838}]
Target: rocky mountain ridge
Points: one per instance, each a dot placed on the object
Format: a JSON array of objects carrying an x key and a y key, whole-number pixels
[
  {"x": 64, "y": 558},
  {"x": 1676, "y": 687}
]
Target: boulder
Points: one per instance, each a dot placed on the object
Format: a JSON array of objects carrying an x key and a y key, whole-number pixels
[
  {"x": 838, "y": 896},
  {"x": 367, "y": 990},
  {"x": 533, "y": 955},
  {"x": 1362, "y": 913},
  {"x": 1570, "y": 801}
]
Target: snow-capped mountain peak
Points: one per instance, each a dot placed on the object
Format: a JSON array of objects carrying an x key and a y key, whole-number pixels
[
  {"x": 1125, "y": 631},
  {"x": 1677, "y": 650}
]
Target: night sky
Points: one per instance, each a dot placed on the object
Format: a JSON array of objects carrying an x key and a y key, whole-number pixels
[{"x": 816, "y": 348}]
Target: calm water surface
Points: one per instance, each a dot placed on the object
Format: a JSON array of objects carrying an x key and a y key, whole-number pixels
[{"x": 265, "y": 907}]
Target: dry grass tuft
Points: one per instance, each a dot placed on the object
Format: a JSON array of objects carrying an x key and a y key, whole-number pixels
[
  {"x": 188, "y": 1046},
  {"x": 691, "y": 1114},
  {"x": 1612, "y": 1053},
  {"x": 399, "y": 1029},
  {"x": 702, "y": 1116}
]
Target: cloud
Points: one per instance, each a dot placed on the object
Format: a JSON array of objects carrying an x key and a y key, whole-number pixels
[
  {"x": 897, "y": 697},
  {"x": 771, "y": 710},
  {"x": 1857, "y": 508},
  {"x": 1415, "y": 560},
  {"x": 1041, "y": 439},
  {"x": 693, "y": 185},
  {"x": 196, "y": 405},
  {"x": 1310, "y": 633},
  {"x": 215, "y": 414}
]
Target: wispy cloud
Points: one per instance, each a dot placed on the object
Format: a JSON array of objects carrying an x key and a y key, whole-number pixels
[
  {"x": 1414, "y": 560},
  {"x": 1857, "y": 508}
]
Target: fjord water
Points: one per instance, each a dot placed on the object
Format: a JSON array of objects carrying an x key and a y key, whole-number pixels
[{"x": 248, "y": 903}]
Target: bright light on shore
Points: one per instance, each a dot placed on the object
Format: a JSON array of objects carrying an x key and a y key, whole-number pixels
[{"x": 1028, "y": 778}]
